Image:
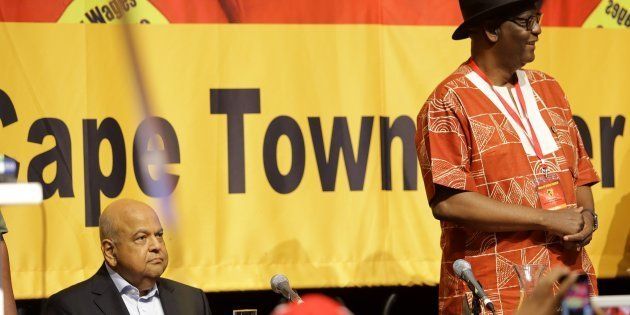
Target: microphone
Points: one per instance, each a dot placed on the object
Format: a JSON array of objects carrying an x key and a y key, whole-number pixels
[
  {"x": 464, "y": 271},
  {"x": 280, "y": 284}
]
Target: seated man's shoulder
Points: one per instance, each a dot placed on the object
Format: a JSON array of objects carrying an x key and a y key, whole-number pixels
[
  {"x": 75, "y": 291},
  {"x": 67, "y": 299},
  {"x": 190, "y": 300},
  {"x": 178, "y": 286}
]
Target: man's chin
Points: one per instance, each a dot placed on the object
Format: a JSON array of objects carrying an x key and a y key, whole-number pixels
[
  {"x": 529, "y": 58},
  {"x": 155, "y": 270}
]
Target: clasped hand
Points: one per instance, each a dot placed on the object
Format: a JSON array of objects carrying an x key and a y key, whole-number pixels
[{"x": 574, "y": 225}]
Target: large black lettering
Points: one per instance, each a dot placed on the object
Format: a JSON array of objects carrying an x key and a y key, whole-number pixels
[
  {"x": 585, "y": 134},
  {"x": 144, "y": 156},
  {"x": 404, "y": 129},
  {"x": 235, "y": 103},
  {"x": 60, "y": 154},
  {"x": 284, "y": 126},
  {"x": 7, "y": 110},
  {"x": 341, "y": 141},
  {"x": 95, "y": 181},
  {"x": 608, "y": 133}
]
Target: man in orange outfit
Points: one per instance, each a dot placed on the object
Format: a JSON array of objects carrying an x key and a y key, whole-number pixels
[{"x": 504, "y": 167}]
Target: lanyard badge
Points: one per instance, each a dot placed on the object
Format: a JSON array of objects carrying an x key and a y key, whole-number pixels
[{"x": 550, "y": 192}]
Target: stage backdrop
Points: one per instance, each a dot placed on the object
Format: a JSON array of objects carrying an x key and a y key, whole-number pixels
[{"x": 288, "y": 131}]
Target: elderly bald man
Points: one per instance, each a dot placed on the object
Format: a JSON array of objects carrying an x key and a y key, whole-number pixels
[{"x": 129, "y": 280}]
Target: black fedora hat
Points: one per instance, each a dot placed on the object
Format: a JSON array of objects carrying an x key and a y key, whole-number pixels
[{"x": 475, "y": 10}]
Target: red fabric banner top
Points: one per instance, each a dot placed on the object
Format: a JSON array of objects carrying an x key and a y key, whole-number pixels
[{"x": 388, "y": 12}]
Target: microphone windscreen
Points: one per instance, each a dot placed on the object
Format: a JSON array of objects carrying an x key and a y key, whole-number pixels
[
  {"x": 459, "y": 266},
  {"x": 278, "y": 282}
]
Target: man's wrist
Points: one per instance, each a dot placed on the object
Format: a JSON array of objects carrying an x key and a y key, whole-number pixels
[
  {"x": 594, "y": 216},
  {"x": 541, "y": 219}
]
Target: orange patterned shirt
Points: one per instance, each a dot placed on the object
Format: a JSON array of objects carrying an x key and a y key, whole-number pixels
[{"x": 464, "y": 141}]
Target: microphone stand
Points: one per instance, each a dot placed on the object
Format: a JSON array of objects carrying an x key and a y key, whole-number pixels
[
  {"x": 465, "y": 306},
  {"x": 477, "y": 301},
  {"x": 476, "y": 304}
]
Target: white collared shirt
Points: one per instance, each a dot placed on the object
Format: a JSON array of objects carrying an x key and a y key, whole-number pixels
[{"x": 136, "y": 304}]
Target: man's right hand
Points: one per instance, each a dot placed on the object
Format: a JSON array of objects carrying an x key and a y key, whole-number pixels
[{"x": 563, "y": 222}]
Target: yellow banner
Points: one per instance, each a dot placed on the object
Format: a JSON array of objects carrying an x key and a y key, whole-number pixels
[{"x": 289, "y": 147}]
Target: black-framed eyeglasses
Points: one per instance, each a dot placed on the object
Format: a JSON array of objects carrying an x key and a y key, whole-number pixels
[{"x": 528, "y": 23}]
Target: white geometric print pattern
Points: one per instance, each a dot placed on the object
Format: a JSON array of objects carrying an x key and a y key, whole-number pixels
[{"x": 482, "y": 133}]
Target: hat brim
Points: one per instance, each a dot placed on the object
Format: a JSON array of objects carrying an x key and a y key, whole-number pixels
[{"x": 462, "y": 30}]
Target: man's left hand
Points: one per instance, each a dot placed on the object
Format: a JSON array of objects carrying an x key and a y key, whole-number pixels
[{"x": 582, "y": 238}]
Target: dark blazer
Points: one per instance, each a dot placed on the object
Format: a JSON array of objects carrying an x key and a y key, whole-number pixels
[{"x": 98, "y": 295}]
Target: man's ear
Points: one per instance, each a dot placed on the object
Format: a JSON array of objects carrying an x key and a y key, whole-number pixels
[
  {"x": 492, "y": 31},
  {"x": 109, "y": 252}
]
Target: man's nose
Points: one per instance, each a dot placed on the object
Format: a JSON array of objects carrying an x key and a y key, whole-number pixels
[
  {"x": 155, "y": 244},
  {"x": 537, "y": 29}
]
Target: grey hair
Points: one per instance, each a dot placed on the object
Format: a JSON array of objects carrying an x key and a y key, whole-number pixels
[{"x": 106, "y": 228}]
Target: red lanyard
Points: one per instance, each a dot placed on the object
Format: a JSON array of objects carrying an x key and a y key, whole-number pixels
[{"x": 533, "y": 140}]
